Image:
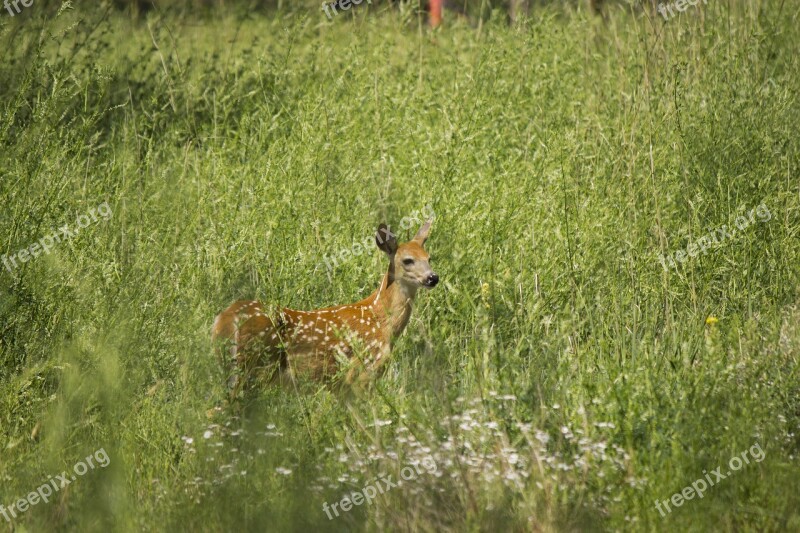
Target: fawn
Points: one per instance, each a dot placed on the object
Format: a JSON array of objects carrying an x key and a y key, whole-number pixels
[{"x": 273, "y": 347}]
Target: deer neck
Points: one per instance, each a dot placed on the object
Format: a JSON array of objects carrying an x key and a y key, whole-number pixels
[{"x": 393, "y": 302}]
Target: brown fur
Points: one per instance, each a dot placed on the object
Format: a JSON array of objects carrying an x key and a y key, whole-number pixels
[{"x": 273, "y": 348}]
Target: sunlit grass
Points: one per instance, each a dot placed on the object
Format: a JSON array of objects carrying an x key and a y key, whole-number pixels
[{"x": 558, "y": 377}]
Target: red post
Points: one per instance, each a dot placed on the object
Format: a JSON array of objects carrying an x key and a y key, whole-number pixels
[{"x": 436, "y": 12}]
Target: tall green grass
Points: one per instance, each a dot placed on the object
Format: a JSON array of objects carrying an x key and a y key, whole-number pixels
[{"x": 558, "y": 376}]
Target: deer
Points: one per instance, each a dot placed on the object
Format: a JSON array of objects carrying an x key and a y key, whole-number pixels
[{"x": 280, "y": 345}]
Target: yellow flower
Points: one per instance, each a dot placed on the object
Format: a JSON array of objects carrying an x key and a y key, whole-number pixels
[{"x": 711, "y": 320}]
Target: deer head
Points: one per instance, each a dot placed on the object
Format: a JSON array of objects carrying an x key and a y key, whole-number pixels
[{"x": 409, "y": 263}]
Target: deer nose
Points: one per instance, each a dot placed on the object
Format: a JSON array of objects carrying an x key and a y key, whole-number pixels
[{"x": 432, "y": 280}]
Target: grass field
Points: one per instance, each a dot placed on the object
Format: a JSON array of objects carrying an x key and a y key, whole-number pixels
[{"x": 563, "y": 376}]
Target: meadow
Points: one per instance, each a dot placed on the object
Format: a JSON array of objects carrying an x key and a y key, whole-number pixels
[{"x": 558, "y": 378}]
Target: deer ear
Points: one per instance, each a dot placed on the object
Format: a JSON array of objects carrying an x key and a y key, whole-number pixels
[
  {"x": 386, "y": 240},
  {"x": 422, "y": 234}
]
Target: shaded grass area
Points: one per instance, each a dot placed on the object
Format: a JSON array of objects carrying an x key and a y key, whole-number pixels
[{"x": 558, "y": 377}]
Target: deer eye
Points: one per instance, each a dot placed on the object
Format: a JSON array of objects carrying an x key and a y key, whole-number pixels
[{"x": 408, "y": 261}]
